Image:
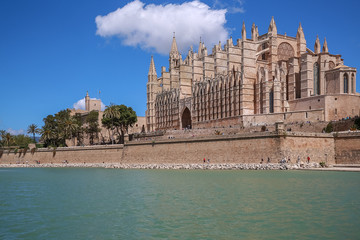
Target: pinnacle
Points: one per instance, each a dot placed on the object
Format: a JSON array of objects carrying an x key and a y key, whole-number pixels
[
  {"x": 272, "y": 26},
  {"x": 152, "y": 70},
  {"x": 174, "y": 48}
]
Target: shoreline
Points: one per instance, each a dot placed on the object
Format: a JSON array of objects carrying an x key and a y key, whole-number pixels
[
  {"x": 206, "y": 166},
  {"x": 201, "y": 166}
]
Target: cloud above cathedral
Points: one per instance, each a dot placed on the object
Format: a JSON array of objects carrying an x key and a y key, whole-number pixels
[
  {"x": 81, "y": 104},
  {"x": 151, "y": 26}
]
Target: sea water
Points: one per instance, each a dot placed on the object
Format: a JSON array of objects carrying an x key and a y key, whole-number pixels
[{"x": 96, "y": 203}]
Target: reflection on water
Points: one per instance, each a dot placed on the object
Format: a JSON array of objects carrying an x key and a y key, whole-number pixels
[{"x": 178, "y": 204}]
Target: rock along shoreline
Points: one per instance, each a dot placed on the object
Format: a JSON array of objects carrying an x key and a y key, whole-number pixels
[{"x": 206, "y": 166}]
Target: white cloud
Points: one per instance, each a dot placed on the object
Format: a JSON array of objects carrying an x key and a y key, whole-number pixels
[
  {"x": 233, "y": 6},
  {"x": 15, "y": 132},
  {"x": 81, "y": 104},
  {"x": 152, "y": 26}
]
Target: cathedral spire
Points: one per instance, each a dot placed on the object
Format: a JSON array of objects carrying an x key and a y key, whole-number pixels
[
  {"x": 301, "y": 42},
  {"x": 174, "y": 48},
  {"x": 253, "y": 32},
  {"x": 272, "y": 27},
  {"x": 300, "y": 32},
  {"x": 317, "y": 46},
  {"x": 325, "y": 46},
  {"x": 243, "y": 32},
  {"x": 152, "y": 70}
]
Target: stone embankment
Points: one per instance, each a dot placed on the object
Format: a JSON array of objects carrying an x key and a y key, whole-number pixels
[{"x": 205, "y": 166}]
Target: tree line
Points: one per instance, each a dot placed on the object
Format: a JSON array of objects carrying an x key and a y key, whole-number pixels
[{"x": 63, "y": 126}]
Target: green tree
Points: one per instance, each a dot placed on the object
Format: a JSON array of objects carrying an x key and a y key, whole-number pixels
[
  {"x": 2, "y": 137},
  {"x": 47, "y": 136},
  {"x": 329, "y": 127},
  {"x": 119, "y": 118},
  {"x": 8, "y": 140},
  {"x": 33, "y": 129},
  {"x": 79, "y": 131},
  {"x": 22, "y": 141},
  {"x": 357, "y": 122},
  {"x": 58, "y": 128},
  {"x": 92, "y": 125}
]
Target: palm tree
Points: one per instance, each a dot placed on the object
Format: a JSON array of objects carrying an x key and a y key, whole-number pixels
[
  {"x": 8, "y": 139},
  {"x": 70, "y": 127},
  {"x": 47, "y": 135},
  {"x": 32, "y": 129},
  {"x": 2, "y": 137},
  {"x": 112, "y": 111},
  {"x": 110, "y": 114}
]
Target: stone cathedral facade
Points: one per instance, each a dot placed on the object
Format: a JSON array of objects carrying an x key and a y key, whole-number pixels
[{"x": 254, "y": 81}]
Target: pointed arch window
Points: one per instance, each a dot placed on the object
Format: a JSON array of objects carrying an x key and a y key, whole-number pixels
[
  {"x": 316, "y": 79},
  {"x": 271, "y": 101},
  {"x": 346, "y": 83}
]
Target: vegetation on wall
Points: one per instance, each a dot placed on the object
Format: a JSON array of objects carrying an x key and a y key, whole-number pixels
[
  {"x": 329, "y": 128},
  {"x": 357, "y": 123}
]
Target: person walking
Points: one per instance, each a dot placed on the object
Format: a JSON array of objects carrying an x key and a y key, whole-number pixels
[{"x": 308, "y": 159}]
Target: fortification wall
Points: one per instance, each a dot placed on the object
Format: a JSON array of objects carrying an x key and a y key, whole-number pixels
[
  {"x": 90, "y": 154},
  {"x": 320, "y": 147},
  {"x": 220, "y": 149},
  {"x": 239, "y": 148},
  {"x": 347, "y": 148}
]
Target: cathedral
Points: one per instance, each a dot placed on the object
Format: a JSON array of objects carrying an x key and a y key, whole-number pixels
[{"x": 259, "y": 80}]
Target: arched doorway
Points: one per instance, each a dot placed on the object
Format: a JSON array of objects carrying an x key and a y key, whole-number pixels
[{"x": 186, "y": 119}]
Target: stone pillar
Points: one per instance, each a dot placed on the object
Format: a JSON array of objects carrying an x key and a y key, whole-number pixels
[
  {"x": 307, "y": 88},
  {"x": 277, "y": 96}
]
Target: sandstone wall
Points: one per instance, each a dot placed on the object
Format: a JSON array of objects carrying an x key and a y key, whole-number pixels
[
  {"x": 220, "y": 149},
  {"x": 320, "y": 147},
  {"x": 238, "y": 148},
  {"x": 98, "y": 154},
  {"x": 347, "y": 148}
]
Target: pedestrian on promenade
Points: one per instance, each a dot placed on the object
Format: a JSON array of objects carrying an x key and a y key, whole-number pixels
[
  {"x": 204, "y": 160},
  {"x": 308, "y": 159},
  {"x": 262, "y": 160},
  {"x": 298, "y": 160},
  {"x": 208, "y": 160},
  {"x": 268, "y": 160}
]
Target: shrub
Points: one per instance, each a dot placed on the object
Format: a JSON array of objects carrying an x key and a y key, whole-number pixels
[
  {"x": 329, "y": 128},
  {"x": 322, "y": 164},
  {"x": 357, "y": 123}
]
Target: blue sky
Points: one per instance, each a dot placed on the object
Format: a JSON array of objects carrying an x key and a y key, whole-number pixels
[{"x": 52, "y": 52}]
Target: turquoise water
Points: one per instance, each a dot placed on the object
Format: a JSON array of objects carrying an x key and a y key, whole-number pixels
[{"x": 55, "y": 203}]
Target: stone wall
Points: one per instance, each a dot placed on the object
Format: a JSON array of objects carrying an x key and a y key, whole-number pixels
[
  {"x": 238, "y": 148},
  {"x": 320, "y": 147},
  {"x": 90, "y": 154},
  {"x": 220, "y": 149},
  {"x": 347, "y": 148}
]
